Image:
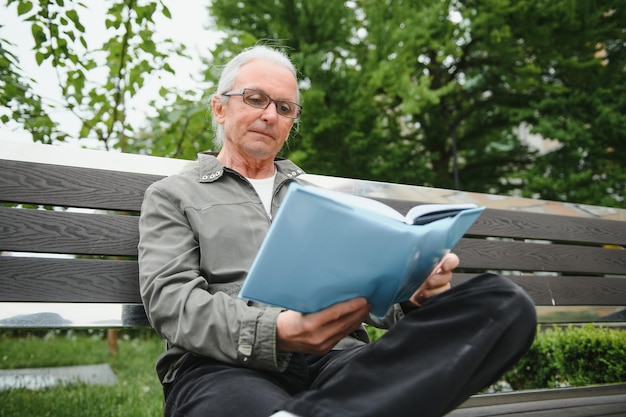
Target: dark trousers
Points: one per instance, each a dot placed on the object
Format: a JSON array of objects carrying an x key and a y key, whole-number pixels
[{"x": 456, "y": 344}]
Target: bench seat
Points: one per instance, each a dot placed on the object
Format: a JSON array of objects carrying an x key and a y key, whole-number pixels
[{"x": 69, "y": 234}]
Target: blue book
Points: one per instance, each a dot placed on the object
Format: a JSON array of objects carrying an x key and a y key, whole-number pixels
[{"x": 325, "y": 247}]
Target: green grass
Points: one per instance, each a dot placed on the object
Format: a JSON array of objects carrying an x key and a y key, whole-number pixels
[{"x": 137, "y": 393}]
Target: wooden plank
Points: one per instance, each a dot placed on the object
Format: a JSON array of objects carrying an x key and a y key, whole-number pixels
[
  {"x": 480, "y": 400},
  {"x": 23, "y": 230},
  {"x": 524, "y": 256},
  {"x": 524, "y": 225},
  {"x": 26, "y": 279},
  {"x": 25, "y": 182},
  {"x": 566, "y": 290},
  {"x": 52, "y": 280},
  {"x": 594, "y": 406},
  {"x": 83, "y": 187},
  {"x": 100, "y": 234},
  {"x": 539, "y": 226}
]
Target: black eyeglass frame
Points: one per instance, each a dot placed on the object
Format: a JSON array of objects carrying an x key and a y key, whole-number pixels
[{"x": 242, "y": 92}]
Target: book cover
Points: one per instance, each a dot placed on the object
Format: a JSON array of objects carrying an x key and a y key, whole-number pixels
[{"x": 325, "y": 247}]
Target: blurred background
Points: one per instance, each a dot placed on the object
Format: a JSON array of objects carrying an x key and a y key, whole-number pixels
[{"x": 519, "y": 98}]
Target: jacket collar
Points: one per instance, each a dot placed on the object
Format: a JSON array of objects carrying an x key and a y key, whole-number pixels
[{"x": 210, "y": 168}]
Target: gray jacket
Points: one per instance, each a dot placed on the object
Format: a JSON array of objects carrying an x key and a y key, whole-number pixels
[{"x": 199, "y": 233}]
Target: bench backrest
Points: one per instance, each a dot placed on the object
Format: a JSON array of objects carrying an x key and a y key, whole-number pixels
[{"x": 68, "y": 241}]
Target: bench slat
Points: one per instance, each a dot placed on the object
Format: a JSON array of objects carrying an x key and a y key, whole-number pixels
[
  {"x": 592, "y": 406},
  {"x": 25, "y": 182},
  {"x": 523, "y": 256},
  {"x": 524, "y": 225},
  {"x": 538, "y": 226},
  {"x": 52, "y": 280},
  {"x": 49, "y": 184},
  {"x": 32, "y": 279},
  {"x": 101, "y": 234},
  {"x": 66, "y": 232},
  {"x": 566, "y": 290},
  {"x": 480, "y": 400}
]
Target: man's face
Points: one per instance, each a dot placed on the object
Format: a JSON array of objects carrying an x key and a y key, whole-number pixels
[{"x": 254, "y": 133}]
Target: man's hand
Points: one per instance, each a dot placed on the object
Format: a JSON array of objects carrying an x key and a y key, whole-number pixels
[
  {"x": 317, "y": 333},
  {"x": 438, "y": 281}
]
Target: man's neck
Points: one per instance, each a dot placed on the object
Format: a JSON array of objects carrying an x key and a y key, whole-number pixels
[{"x": 255, "y": 169}]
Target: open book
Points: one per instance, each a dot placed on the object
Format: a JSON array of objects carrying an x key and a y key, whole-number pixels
[{"x": 325, "y": 247}]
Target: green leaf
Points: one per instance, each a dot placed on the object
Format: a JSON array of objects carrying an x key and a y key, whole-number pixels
[
  {"x": 38, "y": 34},
  {"x": 40, "y": 57},
  {"x": 24, "y": 7},
  {"x": 167, "y": 67},
  {"x": 73, "y": 16},
  {"x": 166, "y": 11}
]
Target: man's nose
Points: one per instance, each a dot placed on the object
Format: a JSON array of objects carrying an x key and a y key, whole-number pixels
[{"x": 270, "y": 113}]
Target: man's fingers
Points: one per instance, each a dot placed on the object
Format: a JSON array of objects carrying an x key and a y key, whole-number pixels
[
  {"x": 316, "y": 333},
  {"x": 355, "y": 305},
  {"x": 451, "y": 261}
]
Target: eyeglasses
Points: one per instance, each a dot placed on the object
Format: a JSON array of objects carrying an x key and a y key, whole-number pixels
[{"x": 261, "y": 100}]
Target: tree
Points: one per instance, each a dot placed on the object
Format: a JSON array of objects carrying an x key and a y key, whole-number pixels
[
  {"x": 430, "y": 93},
  {"x": 180, "y": 129},
  {"x": 336, "y": 135},
  {"x": 21, "y": 104},
  {"x": 97, "y": 83},
  {"x": 415, "y": 92},
  {"x": 585, "y": 108},
  {"x": 391, "y": 88}
]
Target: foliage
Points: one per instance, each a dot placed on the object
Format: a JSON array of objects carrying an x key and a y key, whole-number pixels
[
  {"x": 583, "y": 105},
  {"x": 430, "y": 93},
  {"x": 180, "y": 129},
  {"x": 97, "y": 83},
  {"x": 21, "y": 104},
  {"x": 575, "y": 356},
  {"x": 417, "y": 92}
]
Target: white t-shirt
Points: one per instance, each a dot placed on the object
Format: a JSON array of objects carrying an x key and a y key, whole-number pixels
[{"x": 264, "y": 188}]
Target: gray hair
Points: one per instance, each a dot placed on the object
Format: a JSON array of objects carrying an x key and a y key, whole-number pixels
[{"x": 231, "y": 70}]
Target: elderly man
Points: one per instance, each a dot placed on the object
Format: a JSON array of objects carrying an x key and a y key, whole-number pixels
[{"x": 199, "y": 233}]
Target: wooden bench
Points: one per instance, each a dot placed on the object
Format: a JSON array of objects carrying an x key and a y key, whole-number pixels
[{"x": 68, "y": 254}]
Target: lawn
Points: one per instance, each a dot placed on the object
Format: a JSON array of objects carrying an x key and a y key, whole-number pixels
[
  {"x": 556, "y": 356},
  {"x": 137, "y": 393}
]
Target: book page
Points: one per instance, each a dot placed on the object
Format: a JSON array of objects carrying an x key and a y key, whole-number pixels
[
  {"x": 361, "y": 202},
  {"x": 435, "y": 209}
]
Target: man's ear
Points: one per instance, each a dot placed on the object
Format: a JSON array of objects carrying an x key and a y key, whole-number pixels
[{"x": 218, "y": 108}]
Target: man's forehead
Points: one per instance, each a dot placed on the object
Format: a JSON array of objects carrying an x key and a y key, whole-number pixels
[
  {"x": 267, "y": 76},
  {"x": 257, "y": 68}
]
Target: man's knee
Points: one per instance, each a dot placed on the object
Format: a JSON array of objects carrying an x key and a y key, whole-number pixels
[{"x": 512, "y": 303}]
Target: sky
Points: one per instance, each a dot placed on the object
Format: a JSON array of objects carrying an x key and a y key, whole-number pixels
[{"x": 188, "y": 26}]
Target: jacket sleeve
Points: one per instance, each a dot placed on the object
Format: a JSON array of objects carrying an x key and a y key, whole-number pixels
[
  {"x": 178, "y": 303},
  {"x": 394, "y": 315}
]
